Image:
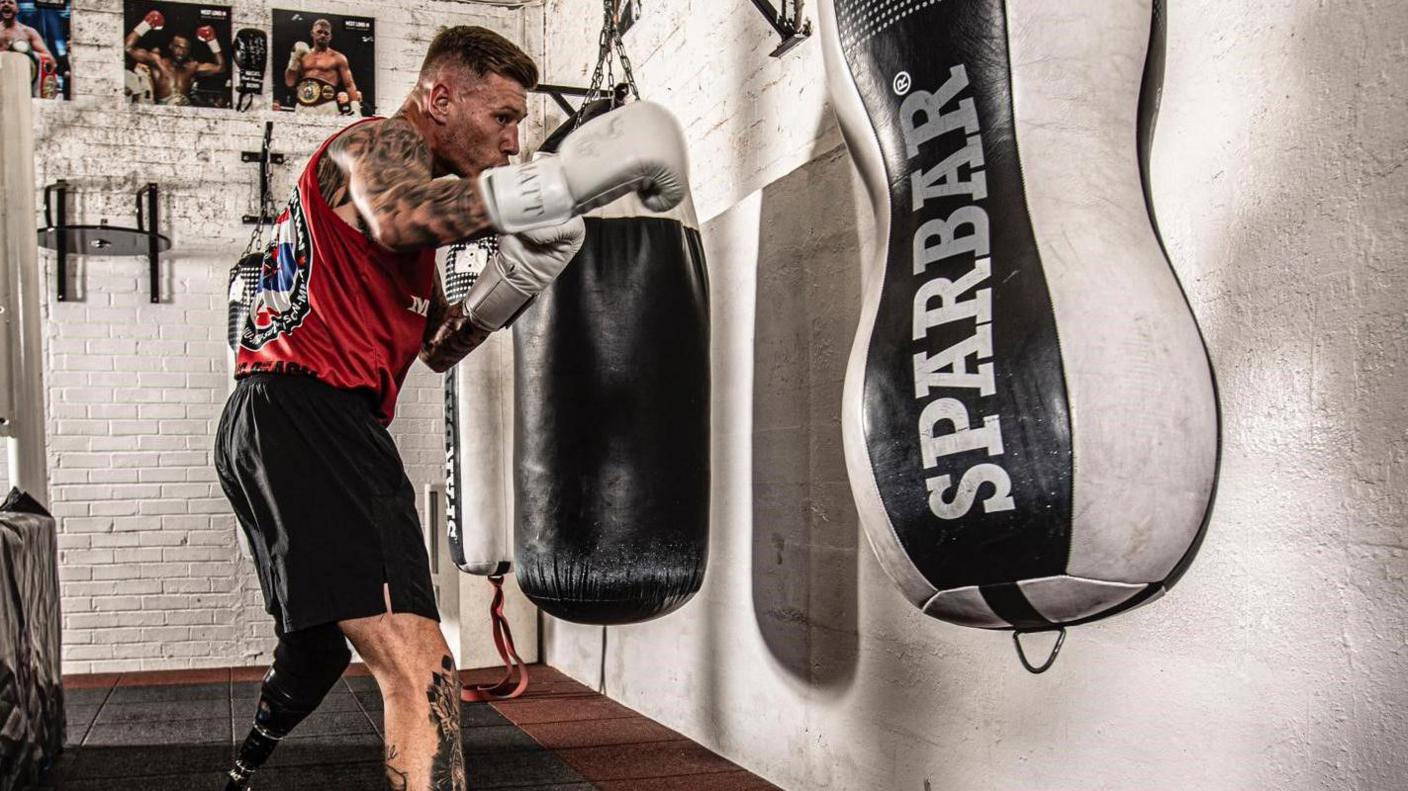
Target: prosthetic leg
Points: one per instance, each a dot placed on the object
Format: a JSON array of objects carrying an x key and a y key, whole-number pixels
[{"x": 306, "y": 665}]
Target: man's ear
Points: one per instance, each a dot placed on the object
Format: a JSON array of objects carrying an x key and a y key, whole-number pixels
[{"x": 439, "y": 104}]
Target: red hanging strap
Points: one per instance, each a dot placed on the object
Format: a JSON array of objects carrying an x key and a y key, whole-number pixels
[{"x": 506, "y": 687}]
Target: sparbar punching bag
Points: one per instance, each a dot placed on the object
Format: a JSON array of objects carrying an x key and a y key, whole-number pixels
[
  {"x": 611, "y": 472},
  {"x": 1030, "y": 418},
  {"x": 478, "y": 436}
]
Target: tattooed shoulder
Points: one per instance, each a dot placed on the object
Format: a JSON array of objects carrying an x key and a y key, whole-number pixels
[
  {"x": 396, "y": 151},
  {"x": 332, "y": 167}
]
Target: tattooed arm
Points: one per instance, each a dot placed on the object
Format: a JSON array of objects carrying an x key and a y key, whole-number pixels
[
  {"x": 384, "y": 170},
  {"x": 449, "y": 335}
]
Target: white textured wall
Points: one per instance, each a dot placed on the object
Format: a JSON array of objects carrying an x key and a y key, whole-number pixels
[
  {"x": 750, "y": 118},
  {"x": 1278, "y": 662},
  {"x": 150, "y": 572}
]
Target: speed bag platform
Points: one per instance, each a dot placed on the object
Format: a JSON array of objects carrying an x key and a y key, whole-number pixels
[
  {"x": 1030, "y": 419},
  {"x": 611, "y": 422}
]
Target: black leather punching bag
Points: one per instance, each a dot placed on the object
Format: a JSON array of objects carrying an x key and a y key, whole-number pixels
[
  {"x": 611, "y": 426},
  {"x": 1030, "y": 417}
]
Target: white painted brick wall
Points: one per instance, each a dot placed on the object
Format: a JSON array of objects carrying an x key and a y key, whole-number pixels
[
  {"x": 150, "y": 571},
  {"x": 749, "y": 118}
]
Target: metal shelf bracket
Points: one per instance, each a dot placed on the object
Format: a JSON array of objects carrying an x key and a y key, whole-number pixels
[{"x": 103, "y": 239}]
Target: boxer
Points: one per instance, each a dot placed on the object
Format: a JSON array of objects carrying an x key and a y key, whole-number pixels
[
  {"x": 345, "y": 301},
  {"x": 321, "y": 77},
  {"x": 19, "y": 37},
  {"x": 173, "y": 76}
]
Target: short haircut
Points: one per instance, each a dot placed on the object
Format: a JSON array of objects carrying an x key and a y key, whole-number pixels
[
  {"x": 481, "y": 50},
  {"x": 317, "y": 22}
]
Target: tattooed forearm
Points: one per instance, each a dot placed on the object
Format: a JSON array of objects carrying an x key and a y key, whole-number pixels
[
  {"x": 449, "y": 335},
  {"x": 447, "y": 765},
  {"x": 388, "y": 171}
]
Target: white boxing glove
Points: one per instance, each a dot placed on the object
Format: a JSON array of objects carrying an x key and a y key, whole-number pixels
[
  {"x": 295, "y": 58},
  {"x": 638, "y": 148},
  {"x": 527, "y": 262}
]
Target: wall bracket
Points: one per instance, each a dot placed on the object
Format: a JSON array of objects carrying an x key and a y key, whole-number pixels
[
  {"x": 265, "y": 158},
  {"x": 793, "y": 30},
  {"x": 558, "y": 92},
  {"x": 103, "y": 239}
]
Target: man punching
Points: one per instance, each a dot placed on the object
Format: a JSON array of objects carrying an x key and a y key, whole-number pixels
[
  {"x": 347, "y": 298},
  {"x": 19, "y": 37},
  {"x": 320, "y": 77},
  {"x": 173, "y": 75}
]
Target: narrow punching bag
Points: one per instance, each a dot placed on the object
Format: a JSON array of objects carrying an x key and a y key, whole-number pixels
[
  {"x": 611, "y": 472},
  {"x": 478, "y": 438},
  {"x": 239, "y": 299},
  {"x": 1030, "y": 419},
  {"x": 240, "y": 296}
]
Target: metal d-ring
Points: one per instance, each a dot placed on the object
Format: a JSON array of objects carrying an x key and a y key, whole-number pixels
[{"x": 1022, "y": 655}]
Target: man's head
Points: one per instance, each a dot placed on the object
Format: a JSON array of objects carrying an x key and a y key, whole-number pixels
[
  {"x": 472, "y": 88},
  {"x": 180, "y": 48},
  {"x": 321, "y": 34},
  {"x": 9, "y": 10}
]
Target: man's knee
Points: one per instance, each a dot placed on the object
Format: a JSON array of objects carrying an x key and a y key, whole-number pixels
[{"x": 402, "y": 650}]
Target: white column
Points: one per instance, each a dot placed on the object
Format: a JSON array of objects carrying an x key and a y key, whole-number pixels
[{"x": 21, "y": 349}]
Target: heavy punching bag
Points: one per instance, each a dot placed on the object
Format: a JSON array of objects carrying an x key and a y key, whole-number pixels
[
  {"x": 1030, "y": 419},
  {"x": 611, "y": 423}
]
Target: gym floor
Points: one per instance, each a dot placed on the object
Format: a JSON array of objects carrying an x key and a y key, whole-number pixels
[{"x": 177, "y": 731}]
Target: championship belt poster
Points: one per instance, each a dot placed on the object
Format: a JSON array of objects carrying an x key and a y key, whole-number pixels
[
  {"x": 39, "y": 29},
  {"x": 323, "y": 64},
  {"x": 177, "y": 53}
]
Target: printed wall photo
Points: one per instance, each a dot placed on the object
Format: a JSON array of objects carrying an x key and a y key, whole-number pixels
[
  {"x": 39, "y": 29},
  {"x": 323, "y": 64},
  {"x": 177, "y": 53}
]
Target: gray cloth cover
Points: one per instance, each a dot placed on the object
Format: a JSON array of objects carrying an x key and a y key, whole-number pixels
[{"x": 31, "y": 688}]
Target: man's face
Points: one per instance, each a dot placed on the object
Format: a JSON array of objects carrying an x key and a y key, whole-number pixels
[
  {"x": 322, "y": 34},
  {"x": 180, "y": 49},
  {"x": 482, "y": 116},
  {"x": 9, "y": 9}
]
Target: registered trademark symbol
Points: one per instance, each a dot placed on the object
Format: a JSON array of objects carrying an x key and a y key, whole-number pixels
[{"x": 902, "y": 83}]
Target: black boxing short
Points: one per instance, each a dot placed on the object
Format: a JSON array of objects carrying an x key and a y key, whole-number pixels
[{"x": 319, "y": 489}]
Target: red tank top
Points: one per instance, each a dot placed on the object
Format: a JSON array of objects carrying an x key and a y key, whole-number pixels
[{"x": 332, "y": 304}]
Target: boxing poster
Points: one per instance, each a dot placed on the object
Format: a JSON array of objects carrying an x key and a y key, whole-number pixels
[
  {"x": 39, "y": 29},
  {"x": 323, "y": 64},
  {"x": 177, "y": 53}
]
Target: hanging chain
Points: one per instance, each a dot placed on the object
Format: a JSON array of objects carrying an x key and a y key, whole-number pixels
[
  {"x": 625, "y": 61},
  {"x": 266, "y": 206},
  {"x": 609, "y": 49},
  {"x": 603, "y": 54}
]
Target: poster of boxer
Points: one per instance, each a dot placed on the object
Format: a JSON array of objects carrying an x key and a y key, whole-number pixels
[
  {"x": 323, "y": 64},
  {"x": 177, "y": 53},
  {"x": 39, "y": 29}
]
